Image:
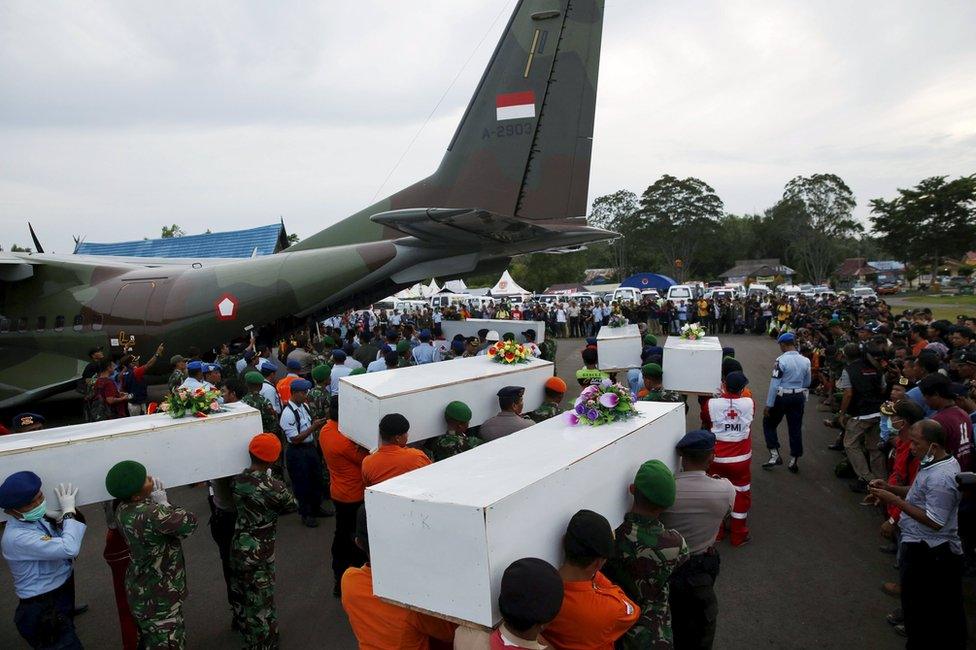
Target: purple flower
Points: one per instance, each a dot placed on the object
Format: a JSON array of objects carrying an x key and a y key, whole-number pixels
[
  {"x": 592, "y": 414},
  {"x": 571, "y": 418},
  {"x": 589, "y": 391},
  {"x": 606, "y": 383},
  {"x": 580, "y": 408},
  {"x": 609, "y": 400}
]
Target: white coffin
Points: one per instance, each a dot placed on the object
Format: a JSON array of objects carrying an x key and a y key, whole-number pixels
[
  {"x": 471, "y": 326},
  {"x": 422, "y": 392},
  {"x": 477, "y": 512},
  {"x": 179, "y": 452},
  {"x": 692, "y": 366},
  {"x": 618, "y": 347}
]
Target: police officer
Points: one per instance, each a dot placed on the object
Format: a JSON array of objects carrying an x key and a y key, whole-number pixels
[
  {"x": 701, "y": 504},
  {"x": 40, "y": 552},
  {"x": 787, "y": 397},
  {"x": 301, "y": 457}
]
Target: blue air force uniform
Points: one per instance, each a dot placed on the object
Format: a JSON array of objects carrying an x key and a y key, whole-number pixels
[{"x": 787, "y": 397}]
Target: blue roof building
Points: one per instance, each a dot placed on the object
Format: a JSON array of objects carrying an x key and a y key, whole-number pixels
[
  {"x": 649, "y": 281},
  {"x": 263, "y": 240}
]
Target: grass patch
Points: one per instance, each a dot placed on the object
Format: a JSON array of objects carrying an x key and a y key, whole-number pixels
[{"x": 943, "y": 307}]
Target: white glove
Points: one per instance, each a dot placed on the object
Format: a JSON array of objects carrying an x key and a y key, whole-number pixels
[
  {"x": 66, "y": 497},
  {"x": 159, "y": 492}
]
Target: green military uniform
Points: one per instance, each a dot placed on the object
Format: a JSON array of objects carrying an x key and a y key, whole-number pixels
[
  {"x": 318, "y": 402},
  {"x": 546, "y": 411},
  {"x": 155, "y": 582},
  {"x": 661, "y": 395},
  {"x": 228, "y": 366},
  {"x": 259, "y": 498},
  {"x": 269, "y": 419},
  {"x": 548, "y": 347},
  {"x": 176, "y": 378},
  {"x": 450, "y": 444}
]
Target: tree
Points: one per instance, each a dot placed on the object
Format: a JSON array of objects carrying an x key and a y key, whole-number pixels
[
  {"x": 293, "y": 239},
  {"x": 613, "y": 212},
  {"x": 822, "y": 209},
  {"x": 934, "y": 220},
  {"x": 172, "y": 231},
  {"x": 676, "y": 216},
  {"x": 15, "y": 248}
]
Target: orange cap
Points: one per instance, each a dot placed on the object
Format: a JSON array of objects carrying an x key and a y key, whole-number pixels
[
  {"x": 266, "y": 447},
  {"x": 556, "y": 384}
]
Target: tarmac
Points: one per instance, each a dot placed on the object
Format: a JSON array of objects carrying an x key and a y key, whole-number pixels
[{"x": 810, "y": 578}]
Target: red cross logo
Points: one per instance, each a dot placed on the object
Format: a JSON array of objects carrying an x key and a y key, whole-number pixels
[
  {"x": 226, "y": 307},
  {"x": 731, "y": 414}
]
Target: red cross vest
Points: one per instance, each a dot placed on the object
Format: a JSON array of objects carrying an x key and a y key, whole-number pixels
[{"x": 732, "y": 423}]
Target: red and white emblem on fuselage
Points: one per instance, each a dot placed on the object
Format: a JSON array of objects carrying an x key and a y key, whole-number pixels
[{"x": 226, "y": 307}]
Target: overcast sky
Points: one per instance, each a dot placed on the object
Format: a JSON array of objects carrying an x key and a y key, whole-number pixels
[{"x": 119, "y": 117}]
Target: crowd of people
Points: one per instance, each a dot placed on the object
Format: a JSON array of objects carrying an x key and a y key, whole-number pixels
[{"x": 902, "y": 389}]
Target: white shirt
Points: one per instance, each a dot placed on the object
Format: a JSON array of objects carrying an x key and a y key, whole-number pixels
[
  {"x": 269, "y": 393},
  {"x": 338, "y": 371},
  {"x": 291, "y": 426}
]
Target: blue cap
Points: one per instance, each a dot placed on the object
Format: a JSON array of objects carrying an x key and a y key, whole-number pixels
[
  {"x": 789, "y": 337},
  {"x": 211, "y": 367},
  {"x": 301, "y": 385},
  {"x": 19, "y": 489},
  {"x": 424, "y": 335},
  {"x": 339, "y": 355},
  {"x": 591, "y": 340},
  {"x": 22, "y": 420},
  {"x": 697, "y": 440},
  {"x": 728, "y": 352},
  {"x": 293, "y": 364},
  {"x": 267, "y": 366},
  {"x": 457, "y": 346},
  {"x": 194, "y": 366}
]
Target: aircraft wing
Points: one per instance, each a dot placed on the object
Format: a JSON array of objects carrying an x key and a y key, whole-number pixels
[
  {"x": 27, "y": 375},
  {"x": 14, "y": 268},
  {"x": 481, "y": 229}
]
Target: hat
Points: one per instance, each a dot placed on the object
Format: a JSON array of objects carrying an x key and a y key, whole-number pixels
[
  {"x": 211, "y": 367},
  {"x": 788, "y": 337},
  {"x": 728, "y": 352},
  {"x": 735, "y": 381},
  {"x": 531, "y": 591},
  {"x": 556, "y": 385},
  {"x": 125, "y": 479},
  {"x": 339, "y": 355},
  {"x": 656, "y": 482},
  {"x": 248, "y": 354},
  {"x": 730, "y": 365},
  {"x": 424, "y": 335},
  {"x": 328, "y": 341},
  {"x": 91, "y": 351},
  {"x": 322, "y": 372},
  {"x": 652, "y": 370},
  {"x": 482, "y": 333},
  {"x": 267, "y": 366},
  {"x": 888, "y": 408},
  {"x": 195, "y": 366},
  {"x": 492, "y": 335},
  {"x": 511, "y": 392},
  {"x": 650, "y": 339},
  {"x": 300, "y": 385},
  {"x": 293, "y": 364},
  {"x": 588, "y": 535},
  {"x": 458, "y": 411},
  {"x": 176, "y": 358},
  {"x": 529, "y": 334},
  {"x": 357, "y": 371},
  {"x": 403, "y": 346},
  {"x": 19, "y": 489},
  {"x": 697, "y": 440},
  {"x": 458, "y": 345},
  {"x": 24, "y": 420},
  {"x": 266, "y": 447},
  {"x": 253, "y": 378}
]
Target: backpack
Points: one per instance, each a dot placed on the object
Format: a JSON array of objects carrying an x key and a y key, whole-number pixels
[{"x": 95, "y": 407}]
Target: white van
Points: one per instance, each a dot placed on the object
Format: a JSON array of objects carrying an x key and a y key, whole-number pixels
[
  {"x": 760, "y": 291},
  {"x": 680, "y": 293},
  {"x": 621, "y": 294}
]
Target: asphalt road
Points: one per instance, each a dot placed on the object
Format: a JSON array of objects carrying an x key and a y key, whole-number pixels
[{"x": 810, "y": 578}]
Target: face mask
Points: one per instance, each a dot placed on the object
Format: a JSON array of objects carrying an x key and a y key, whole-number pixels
[
  {"x": 928, "y": 457},
  {"x": 35, "y": 514}
]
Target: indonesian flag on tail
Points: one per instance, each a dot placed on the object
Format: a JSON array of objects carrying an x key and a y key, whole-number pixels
[{"x": 515, "y": 106}]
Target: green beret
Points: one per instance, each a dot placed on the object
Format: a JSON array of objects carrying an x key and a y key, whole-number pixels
[
  {"x": 650, "y": 339},
  {"x": 358, "y": 371},
  {"x": 403, "y": 346},
  {"x": 321, "y": 373},
  {"x": 329, "y": 341},
  {"x": 652, "y": 370},
  {"x": 253, "y": 377},
  {"x": 656, "y": 482},
  {"x": 833, "y": 322},
  {"x": 125, "y": 479},
  {"x": 458, "y": 411}
]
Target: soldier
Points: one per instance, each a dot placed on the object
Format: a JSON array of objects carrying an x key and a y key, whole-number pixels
[
  {"x": 318, "y": 396},
  {"x": 254, "y": 399},
  {"x": 226, "y": 361},
  {"x": 259, "y": 498},
  {"x": 555, "y": 390},
  {"x": 653, "y": 390},
  {"x": 456, "y": 440},
  {"x": 645, "y": 554},
  {"x": 156, "y": 579},
  {"x": 178, "y": 376},
  {"x": 701, "y": 504},
  {"x": 787, "y": 397}
]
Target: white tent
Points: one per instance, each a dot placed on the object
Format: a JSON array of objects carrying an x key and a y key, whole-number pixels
[
  {"x": 456, "y": 286},
  {"x": 432, "y": 289},
  {"x": 416, "y": 291},
  {"x": 506, "y": 286}
]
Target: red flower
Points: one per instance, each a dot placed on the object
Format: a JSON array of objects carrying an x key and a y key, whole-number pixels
[
  {"x": 509, "y": 356},
  {"x": 200, "y": 414},
  {"x": 152, "y": 407}
]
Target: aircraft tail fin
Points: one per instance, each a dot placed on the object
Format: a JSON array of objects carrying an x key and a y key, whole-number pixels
[{"x": 523, "y": 146}]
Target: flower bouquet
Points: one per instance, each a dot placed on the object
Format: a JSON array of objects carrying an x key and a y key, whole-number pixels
[
  {"x": 692, "y": 332},
  {"x": 601, "y": 404},
  {"x": 508, "y": 352},
  {"x": 618, "y": 320},
  {"x": 198, "y": 403}
]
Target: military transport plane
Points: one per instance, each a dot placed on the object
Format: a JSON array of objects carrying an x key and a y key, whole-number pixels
[{"x": 514, "y": 180}]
